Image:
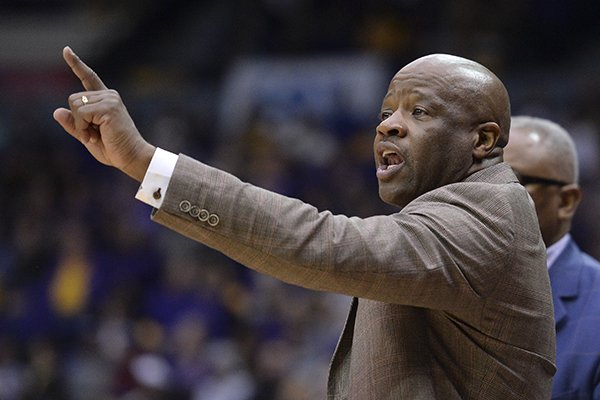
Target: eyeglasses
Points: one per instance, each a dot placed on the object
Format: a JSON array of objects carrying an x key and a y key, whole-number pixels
[{"x": 528, "y": 180}]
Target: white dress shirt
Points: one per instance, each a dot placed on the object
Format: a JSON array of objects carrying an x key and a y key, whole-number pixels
[
  {"x": 156, "y": 181},
  {"x": 556, "y": 250}
]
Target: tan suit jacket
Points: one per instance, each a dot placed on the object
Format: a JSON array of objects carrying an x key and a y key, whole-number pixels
[{"x": 451, "y": 294}]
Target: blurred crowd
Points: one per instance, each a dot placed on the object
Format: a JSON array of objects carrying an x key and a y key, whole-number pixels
[{"x": 98, "y": 302}]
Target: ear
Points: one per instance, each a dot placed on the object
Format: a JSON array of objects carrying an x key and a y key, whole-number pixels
[
  {"x": 484, "y": 140},
  {"x": 570, "y": 197}
]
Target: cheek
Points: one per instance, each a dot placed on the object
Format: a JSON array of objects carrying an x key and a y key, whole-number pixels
[
  {"x": 545, "y": 207},
  {"x": 375, "y": 141},
  {"x": 450, "y": 159},
  {"x": 538, "y": 200}
]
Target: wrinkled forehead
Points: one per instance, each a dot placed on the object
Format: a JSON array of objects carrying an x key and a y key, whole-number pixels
[{"x": 417, "y": 86}]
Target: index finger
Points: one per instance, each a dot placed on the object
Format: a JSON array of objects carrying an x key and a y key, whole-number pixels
[{"x": 89, "y": 79}]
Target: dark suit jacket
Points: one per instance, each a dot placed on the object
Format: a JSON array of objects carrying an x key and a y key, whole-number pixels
[
  {"x": 575, "y": 279},
  {"x": 452, "y": 295}
]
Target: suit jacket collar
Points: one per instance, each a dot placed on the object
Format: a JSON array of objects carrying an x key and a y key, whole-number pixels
[
  {"x": 564, "y": 275},
  {"x": 497, "y": 173}
]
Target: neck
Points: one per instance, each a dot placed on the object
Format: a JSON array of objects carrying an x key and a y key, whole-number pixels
[{"x": 492, "y": 159}]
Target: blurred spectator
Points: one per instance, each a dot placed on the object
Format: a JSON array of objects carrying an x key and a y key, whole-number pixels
[{"x": 106, "y": 305}]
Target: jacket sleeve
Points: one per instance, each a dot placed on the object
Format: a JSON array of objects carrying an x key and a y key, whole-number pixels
[{"x": 422, "y": 256}]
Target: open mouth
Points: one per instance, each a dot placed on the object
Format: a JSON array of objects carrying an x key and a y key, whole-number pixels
[
  {"x": 389, "y": 158},
  {"x": 389, "y": 161}
]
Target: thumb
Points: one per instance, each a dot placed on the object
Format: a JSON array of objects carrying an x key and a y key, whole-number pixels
[{"x": 65, "y": 118}]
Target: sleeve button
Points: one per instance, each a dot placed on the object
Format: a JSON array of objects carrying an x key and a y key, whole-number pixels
[
  {"x": 185, "y": 206},
  {"x": 203, "y": 215},
  {"x": 213, "y": 220},
  {"x": 194, "y": 211}
]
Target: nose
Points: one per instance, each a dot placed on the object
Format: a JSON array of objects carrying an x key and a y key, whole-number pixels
[{"x": 392, "y": 126}]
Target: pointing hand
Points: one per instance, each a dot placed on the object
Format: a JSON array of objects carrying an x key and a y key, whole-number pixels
[{"x": 98, "y": 118}]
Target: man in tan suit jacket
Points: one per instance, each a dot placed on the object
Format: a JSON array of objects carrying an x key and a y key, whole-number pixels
[{"x": 451, "y": 293}]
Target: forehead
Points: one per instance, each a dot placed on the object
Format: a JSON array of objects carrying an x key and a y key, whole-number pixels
[
  {"x": 445, "y": 82},
  {"x": 411, "y": 90}
]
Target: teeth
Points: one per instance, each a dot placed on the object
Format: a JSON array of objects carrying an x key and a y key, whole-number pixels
[{"x": 387, "y": 153}]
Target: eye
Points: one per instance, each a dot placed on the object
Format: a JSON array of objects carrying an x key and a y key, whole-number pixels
[
  {"x": 419, "y": 112},
  {"x": 385, "y": 115}
]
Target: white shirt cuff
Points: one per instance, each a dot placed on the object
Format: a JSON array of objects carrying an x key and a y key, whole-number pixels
[{"x": 156, "y": 181}]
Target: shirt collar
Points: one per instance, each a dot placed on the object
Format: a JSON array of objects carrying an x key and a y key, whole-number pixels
[{"x": 556, "y": 250}]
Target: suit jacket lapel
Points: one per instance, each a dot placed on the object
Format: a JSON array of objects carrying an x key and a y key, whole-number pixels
[
  {"x": 339, "y": 369},
  {"x": 564, "y": 275}
]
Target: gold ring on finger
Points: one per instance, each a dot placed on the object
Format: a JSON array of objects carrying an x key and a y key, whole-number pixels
[{"x": 84, "y": 100}]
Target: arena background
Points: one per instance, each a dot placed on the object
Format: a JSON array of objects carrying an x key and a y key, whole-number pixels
[{"x": 97, "y": 302}]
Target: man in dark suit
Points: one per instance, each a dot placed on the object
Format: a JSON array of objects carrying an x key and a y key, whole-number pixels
[
  {"x": 544, "y": 157},
  {"x": 451, "y": 294}
]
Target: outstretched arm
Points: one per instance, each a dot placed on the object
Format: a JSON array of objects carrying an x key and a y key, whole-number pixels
[{"x": 98, "y": 118}]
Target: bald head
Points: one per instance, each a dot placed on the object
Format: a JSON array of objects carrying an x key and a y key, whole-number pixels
[
  {"x": 445, "y": 118},
  {"x": 544, "y": 154},
  {"x": 544, "y": 146},
  {"x": 474, "y": 90}
]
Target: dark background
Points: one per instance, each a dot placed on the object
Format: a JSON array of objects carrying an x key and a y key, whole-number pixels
[{"x": 97, "y": 302}]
